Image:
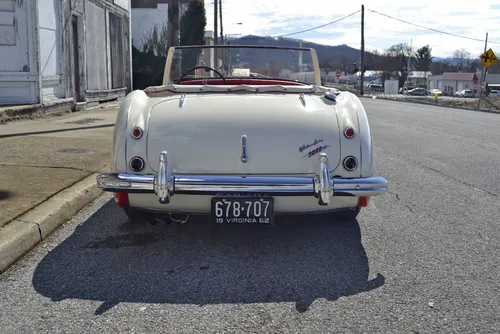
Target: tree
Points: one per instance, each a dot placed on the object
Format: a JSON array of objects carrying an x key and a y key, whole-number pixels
[
  {"x": 372, "y": 60},
  {"x": 345, "y": 63},
  {"x": 475, "y": 65},
  {"x": 148, "y": 65},
  {"x": 327, "y": 66},
  {"x": 438, "y": 67},
  {"x": 493, "y": 69},
  {"x": 462, "y": 60},
  {"x": 423, "y": 58},
  {"x": 192, "y": 25},
  {"x": 156, "y": 43},
  {"x": 397, "y": 60}
]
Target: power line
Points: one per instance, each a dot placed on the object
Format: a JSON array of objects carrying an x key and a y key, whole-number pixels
[
  {"x": 432, "y": 29},
  {"x": 321, "y": 26}
]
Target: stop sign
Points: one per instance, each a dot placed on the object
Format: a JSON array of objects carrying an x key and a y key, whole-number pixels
[{"x": 337, "y": 74}]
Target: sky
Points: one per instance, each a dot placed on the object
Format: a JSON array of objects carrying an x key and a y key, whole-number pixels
[{"x": 280, "y": 17}]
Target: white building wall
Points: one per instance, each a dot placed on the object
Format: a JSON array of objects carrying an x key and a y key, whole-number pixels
[
  {"x": 18, "y": 47},
  {"x": 435, "y": 82},
  {"x": 49, "y": 30},
  {"x": 125, "y": 4},
  {"x": 36, "y": 48}
]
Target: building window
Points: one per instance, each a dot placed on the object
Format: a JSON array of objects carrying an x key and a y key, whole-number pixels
[{"x": 117, "y": 51}]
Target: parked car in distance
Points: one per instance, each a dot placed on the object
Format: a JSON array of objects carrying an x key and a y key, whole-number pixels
[
  {"x": 464, "y": 93},
  {"x": 241, "y": 149},
  {"x": 375, "y": 87},
  {"x": 417, "y": 91},
  {"x": 435, "y": 91},
  {"x": 494, "y": 92}
]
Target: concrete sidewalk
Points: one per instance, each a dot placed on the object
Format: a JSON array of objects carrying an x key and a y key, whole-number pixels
[{"x": 47, "y": 174}]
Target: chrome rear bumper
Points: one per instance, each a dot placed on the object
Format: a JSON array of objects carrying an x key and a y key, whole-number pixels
[{"x": 165, "y": 185}]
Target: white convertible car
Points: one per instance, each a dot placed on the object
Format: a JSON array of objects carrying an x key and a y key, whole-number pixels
[{"x": 241, "y": 148}]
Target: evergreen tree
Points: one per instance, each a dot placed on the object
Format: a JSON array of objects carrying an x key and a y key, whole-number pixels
[{"x": 192, "y": 32}]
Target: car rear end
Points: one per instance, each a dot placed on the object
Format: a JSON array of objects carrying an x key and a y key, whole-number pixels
[{"x": 250, "y": 155}]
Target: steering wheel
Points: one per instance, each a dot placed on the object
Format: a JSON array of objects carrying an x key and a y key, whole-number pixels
[{"x": 206, "y": 68}]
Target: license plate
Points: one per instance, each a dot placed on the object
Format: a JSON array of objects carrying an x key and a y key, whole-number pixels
[{"x": 243, "y": 210}]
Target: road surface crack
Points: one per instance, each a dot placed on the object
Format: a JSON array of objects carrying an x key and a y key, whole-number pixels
[
  {"x": 399, "y": 199},
  {"x": 56, "y": 167},
  {"x": 438, "y": 172}
]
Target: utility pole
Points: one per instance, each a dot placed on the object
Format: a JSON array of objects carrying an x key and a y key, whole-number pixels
[
  {"x": 483, "y": 76},
  {"x": 216, "y": 65},
  {"x": 223, "y": 52},
  {"x": 300, "y": 56},
  {"x": 362, "y": 67},
  {"x": 220, "y": 15},
  {"x": 173, "y": 34},
  {"x": 408, "y": 66}
]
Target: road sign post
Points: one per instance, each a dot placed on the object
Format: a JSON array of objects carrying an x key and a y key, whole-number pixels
[{"x": 488, "y": 58}]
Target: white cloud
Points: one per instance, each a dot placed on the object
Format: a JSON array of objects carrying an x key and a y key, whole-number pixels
[{"x": 277, "y": 17}]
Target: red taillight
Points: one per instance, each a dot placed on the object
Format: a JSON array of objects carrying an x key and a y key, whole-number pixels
[
  {"x": 363, "y": 201},
  {"x": 349, "y": 132},
  {"x": 121, "y": 199},
  {"x": 137, "y": 133}
]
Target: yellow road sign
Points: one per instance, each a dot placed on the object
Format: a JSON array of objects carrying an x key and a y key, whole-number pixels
[{"x": 488, "y": 58}]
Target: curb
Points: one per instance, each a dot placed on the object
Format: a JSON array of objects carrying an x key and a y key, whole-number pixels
[
  {"x": 27, "y": 231},
  {"x": 34, "y": 111},
  {"x": 58, "y": 108}
]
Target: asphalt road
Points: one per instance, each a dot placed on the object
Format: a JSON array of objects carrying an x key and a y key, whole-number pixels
[{"x": 420, "y": 259}]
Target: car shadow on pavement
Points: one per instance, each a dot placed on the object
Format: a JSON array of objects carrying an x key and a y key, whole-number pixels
[{"x": 299, "y": 259}]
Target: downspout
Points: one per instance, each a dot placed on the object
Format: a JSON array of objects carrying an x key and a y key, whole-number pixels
[{"x": 37, "y": 51}]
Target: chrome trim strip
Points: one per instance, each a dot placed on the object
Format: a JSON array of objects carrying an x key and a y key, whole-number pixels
[
  {"x": 302, "y": 99},
  {"x": 244, "y": 156},
  {"x": 165, "y": 185},
  {"x": 365, "y": 186},
  {"x": 203, "y": 184},
  {"x": 206, "y": 184},
  {"x": 181, "y": 100},
  {"x": 325, "y": 183},
  {"x": 131, "y": 183}
]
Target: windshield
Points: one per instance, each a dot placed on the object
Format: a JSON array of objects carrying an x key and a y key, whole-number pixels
[{"x": 244, "y": 62}]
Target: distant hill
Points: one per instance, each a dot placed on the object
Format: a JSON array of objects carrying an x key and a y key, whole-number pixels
[
  {"x": 438, "y": 59},
  {"x": 323, "y": 51},
  {"x": 329, "y": 52}
]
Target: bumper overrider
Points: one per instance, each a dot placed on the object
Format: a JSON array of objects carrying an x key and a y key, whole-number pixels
[{"x": 165, "y": 184}]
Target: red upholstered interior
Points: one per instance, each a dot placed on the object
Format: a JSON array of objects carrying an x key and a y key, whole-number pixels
[{"x": 241, "y": 81}]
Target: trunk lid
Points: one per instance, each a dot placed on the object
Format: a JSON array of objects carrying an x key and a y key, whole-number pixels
[{"x": 204, "y": 135}]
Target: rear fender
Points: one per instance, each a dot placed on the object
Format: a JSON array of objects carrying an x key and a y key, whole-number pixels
[
  {"x": 132, "y": 113},
  {"x": 365, "y": 139},
  {"x": 350, "y": 113}
]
